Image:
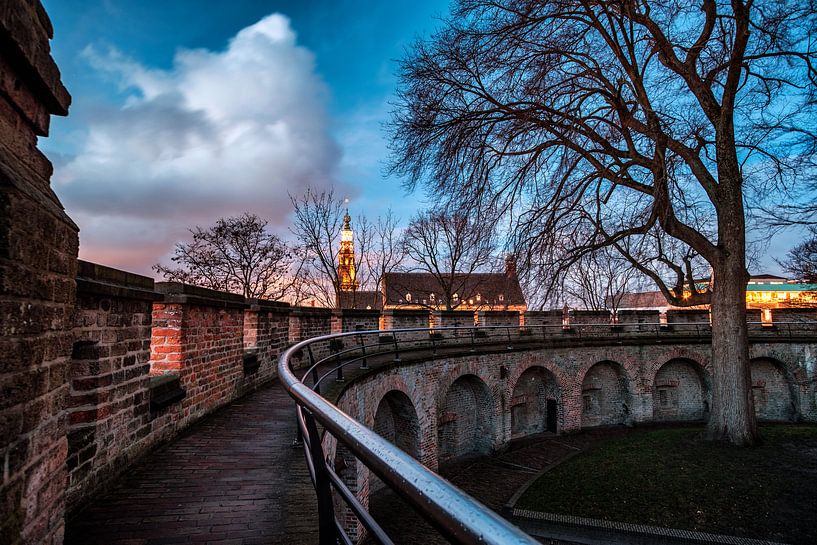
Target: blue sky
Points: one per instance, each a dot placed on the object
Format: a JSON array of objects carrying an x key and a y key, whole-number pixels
[
  {"x": 308, "y": 86},
  {"x": 184, "y": 112}
]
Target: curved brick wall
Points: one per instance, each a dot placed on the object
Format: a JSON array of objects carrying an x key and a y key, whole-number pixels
[{"x": 476, "y": 403}]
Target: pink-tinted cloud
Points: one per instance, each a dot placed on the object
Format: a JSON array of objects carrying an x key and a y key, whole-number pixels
[{"x": 219, "y": 133}]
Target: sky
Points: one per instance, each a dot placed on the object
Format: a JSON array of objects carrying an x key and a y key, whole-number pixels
[{"x": 184, "y": 112}]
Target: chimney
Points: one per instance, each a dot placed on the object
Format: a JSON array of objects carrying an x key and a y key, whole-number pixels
[{"x": 510, "y": 265}]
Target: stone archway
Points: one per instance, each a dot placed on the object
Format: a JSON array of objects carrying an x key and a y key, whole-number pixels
[
  {"x": 606, "y": 396},
  {"x": 396, "y": 421},
  {"x": 680, "y": 392},
  {"x": 535, "y": 396},
  {"x": 773, "y": 391},
  {"x": 465, "y": 419}
]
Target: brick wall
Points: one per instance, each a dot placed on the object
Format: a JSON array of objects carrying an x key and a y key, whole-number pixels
[
  {"x": 602, "y": 317},
  {"x": 605, "y": 396},
  {"x": 266, "y": 335},
  {"x": 198, "y": 335},
  {"x": 529, "y": 402},
  {"x": 501, "y": 394},
  {"x": 465, "y": 421},
  {"x": 630, "y": 317},
  {"x": 307, "y": 322},
  {"x": 489, "y": 318},
  {"x": 404, "y": 319},
  {"x": 124, "y": 333},
  {"x": 452, "y": 318},
  {"x": 396, "y": 420},
  {"x": 38, "y": 251},
  {"x": 679, "y": 393},
  {"x": 687, "y": 316},
  {"x": 800, "y": 315},
  {"x": 772, "y": 391},
  {"x": 108, "y": 405},
  {"x": 358, "y": 320},
  {"x": 552, "y": 318}
]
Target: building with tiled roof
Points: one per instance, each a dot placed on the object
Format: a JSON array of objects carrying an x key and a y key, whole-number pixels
[
  {"x": 360, "y": 300},
  {"x": 476, "y": 291}
]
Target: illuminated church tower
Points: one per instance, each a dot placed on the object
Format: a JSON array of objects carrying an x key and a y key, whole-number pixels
[{"x": 346, "y": 257}]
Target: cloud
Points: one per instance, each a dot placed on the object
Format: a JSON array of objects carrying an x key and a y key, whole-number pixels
[{"x": 219, "y": 133}]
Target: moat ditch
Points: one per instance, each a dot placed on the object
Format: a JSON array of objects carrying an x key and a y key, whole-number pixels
[{"x": 665, "y": 476}]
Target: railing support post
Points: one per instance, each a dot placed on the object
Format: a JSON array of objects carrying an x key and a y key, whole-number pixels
[
  {"x": 326, "y": 512},
  {"x": 510, "y": 343},
  {"x": 473, "y": 347},
  {"x": 363, "y": 364},
  {"x": 315, "y": 386},
  {"x": 396, "y": 348},
  {"x": 340, "y": 368}
]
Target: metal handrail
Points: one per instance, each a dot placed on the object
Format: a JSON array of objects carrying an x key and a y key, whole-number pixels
[{"x": 459, "y": 517}]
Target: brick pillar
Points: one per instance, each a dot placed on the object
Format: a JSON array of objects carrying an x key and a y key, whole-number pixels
[{"x": 38, "y": 262}]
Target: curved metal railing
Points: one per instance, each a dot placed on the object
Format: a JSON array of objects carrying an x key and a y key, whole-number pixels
[{"x": 457, "y": 516}]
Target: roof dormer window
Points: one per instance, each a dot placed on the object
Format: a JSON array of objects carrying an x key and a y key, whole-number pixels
[
  {"x": 501, "y": 297},
  {"x": 408, "y": 298}
]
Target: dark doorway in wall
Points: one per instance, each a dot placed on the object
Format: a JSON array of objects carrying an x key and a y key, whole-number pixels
[{"x": 552, "y": 415}]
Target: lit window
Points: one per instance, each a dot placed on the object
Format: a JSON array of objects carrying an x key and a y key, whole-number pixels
[
  {"x": 501, "y": 297},
  {"x": 408, "y": 298},
  {"x": 479, "y": 297},
  {"x": 432, "y": 296},
  {"x": 456, "y": 296}
]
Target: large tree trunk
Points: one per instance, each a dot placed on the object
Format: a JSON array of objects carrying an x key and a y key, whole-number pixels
[{"x": 733, "y": 414}]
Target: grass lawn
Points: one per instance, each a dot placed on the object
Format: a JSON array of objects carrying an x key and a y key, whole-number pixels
[{"x": 672, "y": 478}]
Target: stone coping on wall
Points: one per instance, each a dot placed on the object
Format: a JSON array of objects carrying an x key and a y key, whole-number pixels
[
  {"x": 265, "y": 305},
  {"x": 498, "y": 313},
  {"x": 358, "y": 312},
  {"x": 312, "y": 311},
  {"x": 406, "y": 311},
  {"x": 176, "y": 292},
  {"x": 596, "y": 531},
  {"x": 95, "y": 279}
]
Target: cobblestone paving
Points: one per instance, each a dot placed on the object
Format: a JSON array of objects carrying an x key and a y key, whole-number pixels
[{"x": 231, "y": 479}]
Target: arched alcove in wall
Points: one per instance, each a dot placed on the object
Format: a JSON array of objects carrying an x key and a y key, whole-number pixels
[
  {"x": 535, "y": 403},
  {"x": 396, "y": 421},
  {"x": 465, "y": 419},
  {"x": 680, "y": 392},
  {"x": 605, "y": 395},
  {"x": 773, "y": 391}
]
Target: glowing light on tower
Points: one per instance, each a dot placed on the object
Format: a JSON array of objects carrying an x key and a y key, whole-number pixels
[{"x": 346, "y": 256}]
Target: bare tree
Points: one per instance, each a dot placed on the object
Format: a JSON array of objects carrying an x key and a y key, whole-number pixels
[
  {"x": 317, "y": 226},
  {"x": 598, "y": 123},
  {"x": 237, "y": 255},
  {"x": 801, "y": 261},
  {"x": 387, "y": 252},
  {"x": 599, "y": 281},
  {"x": 452, "y": 246}
]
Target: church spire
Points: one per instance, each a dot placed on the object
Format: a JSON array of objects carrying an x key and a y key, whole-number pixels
[{"x": 346, "y": 256}]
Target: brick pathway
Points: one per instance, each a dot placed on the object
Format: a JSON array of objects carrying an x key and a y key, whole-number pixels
[{"x": 231, "y": 479}]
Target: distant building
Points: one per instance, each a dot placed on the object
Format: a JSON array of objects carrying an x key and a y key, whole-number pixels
[
  {"x": 347, "y": 275},
  {"x": 349, "y": 296},
  {"x": 764, "y": 291},
  {"x": 476, "y": 291}
]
